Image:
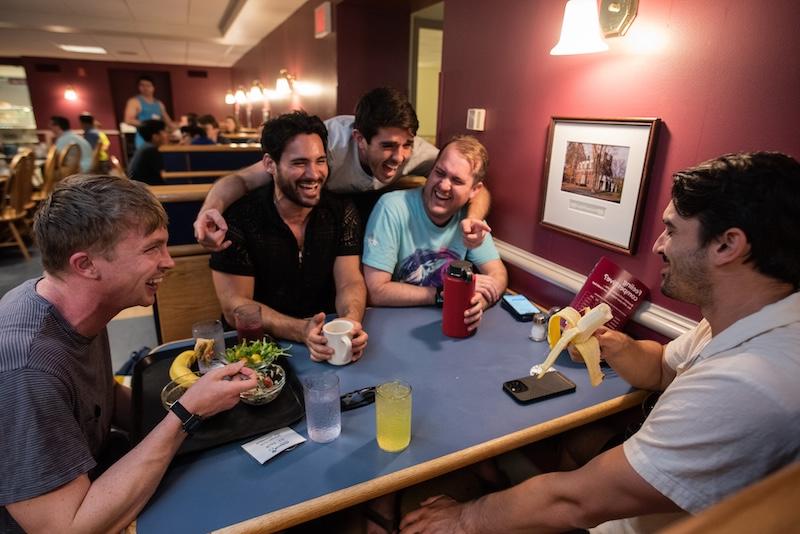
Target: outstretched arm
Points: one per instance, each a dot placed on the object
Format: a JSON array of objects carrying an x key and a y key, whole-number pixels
[
  {"x": 384, "y": 292},
  {"x": 112, "y": 501},
  {"x": 473, "y": 226},
  {"x": 640, "y": 363},
  {"x": 210, "y": 228},
  {"x": 606, "y": 488},
  {"x": 351, "y": 298}
]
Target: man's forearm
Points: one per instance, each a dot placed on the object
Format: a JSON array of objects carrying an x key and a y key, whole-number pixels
[
  {"x": 640, "y": 364},
  {"x": 402, "y": 294},
  {"x": 114, "y": 499},
  {"x": 478, "y": 207},
  {"x": 351, "y": 300},
  {"x": 225, "y": 192}
]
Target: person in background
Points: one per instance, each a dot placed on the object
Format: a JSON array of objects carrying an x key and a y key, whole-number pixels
[
  {"x": 413, "y": 235},
  {"x": 94, "y": 137},
  {"x": 729, "y": 413},
  {"x": 366, "y": 152},
  {"x": 103, "y": 242},
  {"x": 145, "y": 106},
  {"x": 209, "y": 124},
  {"x": 298, "y": 247},
  {"x": 188, "y": 119},
  {"x": 147, "y": 162},
  {"x": 64, "y": 137},
  {"x": 194, "y": 135},
  {"x": 230, "y": 125}
]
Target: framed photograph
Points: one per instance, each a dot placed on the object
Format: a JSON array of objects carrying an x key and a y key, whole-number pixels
[{"x": 596, "y": 174}]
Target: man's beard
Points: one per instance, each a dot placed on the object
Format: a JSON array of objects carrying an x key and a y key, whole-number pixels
[
  {"x": 289, "y": 190},
  {"x": 687, "y": 280}
]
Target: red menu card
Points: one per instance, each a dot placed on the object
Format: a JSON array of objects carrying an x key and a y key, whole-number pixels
[{"x": 615, "y": 286}]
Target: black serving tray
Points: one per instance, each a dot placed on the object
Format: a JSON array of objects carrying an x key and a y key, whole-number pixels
[{"x": 242, "y": 421}]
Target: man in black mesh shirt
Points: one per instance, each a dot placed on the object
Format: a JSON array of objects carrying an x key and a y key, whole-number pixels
[{"x": 296, "y": 249}]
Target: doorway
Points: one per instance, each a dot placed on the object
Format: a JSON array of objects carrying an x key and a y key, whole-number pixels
[{"x": 427, "y": 35}]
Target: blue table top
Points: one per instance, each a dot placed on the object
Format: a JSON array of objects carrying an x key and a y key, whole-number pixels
[{"x": 457, "y": 400}]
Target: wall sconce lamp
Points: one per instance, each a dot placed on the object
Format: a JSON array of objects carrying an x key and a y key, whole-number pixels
[
  {"x": 284, "y": 85},
  {"x": 584, "y": 27},
  {"x": 70, "y": 94},
  {"x": 229, "y": 98}
]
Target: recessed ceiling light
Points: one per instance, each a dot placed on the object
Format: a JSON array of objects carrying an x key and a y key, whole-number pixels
[{"x": 83, "y": 49}]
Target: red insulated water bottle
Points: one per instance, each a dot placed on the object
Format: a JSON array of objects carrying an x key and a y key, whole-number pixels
[{"x": 459, "y": 287}]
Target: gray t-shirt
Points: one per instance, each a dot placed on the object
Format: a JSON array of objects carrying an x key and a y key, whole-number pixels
[{"x": 58, "y": 399}]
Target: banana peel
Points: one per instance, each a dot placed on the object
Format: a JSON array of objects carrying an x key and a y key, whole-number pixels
[
  {"x": 180, "y": 371},
  {"x": 578, "y": 333}
]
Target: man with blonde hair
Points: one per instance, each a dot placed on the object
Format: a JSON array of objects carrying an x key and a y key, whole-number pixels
[
  {"x": 104, "y": 248},
  {"x": 413, "y": 235}
]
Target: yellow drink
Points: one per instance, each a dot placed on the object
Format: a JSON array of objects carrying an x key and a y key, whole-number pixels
[{"x": 393, "y": 415}]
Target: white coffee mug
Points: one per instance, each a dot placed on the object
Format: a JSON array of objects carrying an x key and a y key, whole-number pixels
[{"x": 337, "y": 332}]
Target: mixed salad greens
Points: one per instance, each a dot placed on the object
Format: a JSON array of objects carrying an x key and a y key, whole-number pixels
[{"x": 258, "y": 354}]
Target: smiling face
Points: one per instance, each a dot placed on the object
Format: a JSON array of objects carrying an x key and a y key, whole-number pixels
[
  {"x": 685, "y": 275},
  {"x": 386, "y": 152},
  {"x": 302, "y": 170},
  {"x": 450, "y": 186},
  {"x": 131, "y": 273}
]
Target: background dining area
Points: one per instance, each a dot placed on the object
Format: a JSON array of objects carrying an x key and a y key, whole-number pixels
[{"x": 675, "y": 82}]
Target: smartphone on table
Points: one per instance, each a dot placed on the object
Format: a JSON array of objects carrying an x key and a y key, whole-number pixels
[
  {"x": 531, "y": 389},
  {"x": 519, "y": 307}
]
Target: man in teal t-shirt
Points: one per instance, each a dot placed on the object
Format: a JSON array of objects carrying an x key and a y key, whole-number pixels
[{"x": 413, "y": 235}]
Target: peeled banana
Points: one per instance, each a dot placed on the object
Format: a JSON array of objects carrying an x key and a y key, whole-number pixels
[
  {"x": 578, "y": 334},
  {"x": 180, "y": 370}
]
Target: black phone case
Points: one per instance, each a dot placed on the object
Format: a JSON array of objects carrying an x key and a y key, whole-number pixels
[
  {"x": 531, "y": 389},
  {"x": 522, "y": 317}
]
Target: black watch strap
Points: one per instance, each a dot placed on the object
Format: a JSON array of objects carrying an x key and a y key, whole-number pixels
[
  {"x": 189, "y": 421},
  {"x": 439, "y": 297}
]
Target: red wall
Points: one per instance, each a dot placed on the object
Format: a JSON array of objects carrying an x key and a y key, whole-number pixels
[
  {"x": 368, "y": 48},
  {"x": 724, "y": 79},
  {"x": 292, "y": 46},
  {"x": 91, "y": 81}
]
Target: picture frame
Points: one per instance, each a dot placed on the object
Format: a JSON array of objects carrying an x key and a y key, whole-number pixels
[{"x": 595, "y": 178}]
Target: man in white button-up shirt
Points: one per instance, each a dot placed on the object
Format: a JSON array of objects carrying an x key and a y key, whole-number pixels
[{"x": 729, "y": 413}]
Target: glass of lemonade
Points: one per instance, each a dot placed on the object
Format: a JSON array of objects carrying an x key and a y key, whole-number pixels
[{"x": 393, "y": 415}]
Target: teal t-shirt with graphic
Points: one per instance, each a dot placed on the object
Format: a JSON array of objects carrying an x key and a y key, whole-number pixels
[{"x": 402, "y": 240}]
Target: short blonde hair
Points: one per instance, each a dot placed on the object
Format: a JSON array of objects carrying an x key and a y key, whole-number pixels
[
  {"x": 87, "y": 212},
  {"x": 474, "y": 152}
]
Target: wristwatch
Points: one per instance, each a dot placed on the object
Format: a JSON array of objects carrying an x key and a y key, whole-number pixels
[
  {"x": 439, "y": 300},
  {"x": 189, "y": 421}
]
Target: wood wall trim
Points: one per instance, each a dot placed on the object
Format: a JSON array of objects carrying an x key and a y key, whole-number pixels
[
  {"x": 180, "y": 192},
  {"x": 650, "y": 315},
  {"x": 233, "y": 147}
]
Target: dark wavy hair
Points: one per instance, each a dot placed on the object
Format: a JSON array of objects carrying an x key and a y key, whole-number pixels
[
  {"x": 280, "y": 130},
  {"x": 384, "y": 107},
  {"x": 757, "y": 192}
]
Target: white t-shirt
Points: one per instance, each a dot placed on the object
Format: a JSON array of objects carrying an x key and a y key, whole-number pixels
[
  {"x": 732, "y": 414},
  {"x": 730, "y": 417},
  {"x": 346, "y": 173}
]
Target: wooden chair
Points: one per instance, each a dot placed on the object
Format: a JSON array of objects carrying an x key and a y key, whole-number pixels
[
  {"x": 14, "y": 198},
  {"x": 69, "y": 161},
  {"x": 186, "y": 295},
  {"x": 95, "y": 167},
  {"x": 48, "y": 175}
]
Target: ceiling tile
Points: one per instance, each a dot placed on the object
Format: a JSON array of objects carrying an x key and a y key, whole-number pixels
[{"x": 174, "y": 11}]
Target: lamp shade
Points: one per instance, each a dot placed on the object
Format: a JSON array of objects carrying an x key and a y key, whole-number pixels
[
  {"x": 240, "y": 96},
  {"x": 256, "y": 94},
  {"x": 580, "y": 31},
  {"x": 229, "y": 98}
]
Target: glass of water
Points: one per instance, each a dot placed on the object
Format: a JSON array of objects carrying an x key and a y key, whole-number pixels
[{"x": 323, "y": 412}]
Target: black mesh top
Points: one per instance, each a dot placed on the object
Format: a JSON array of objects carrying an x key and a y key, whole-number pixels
[{"x": 288, "y": 281}]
